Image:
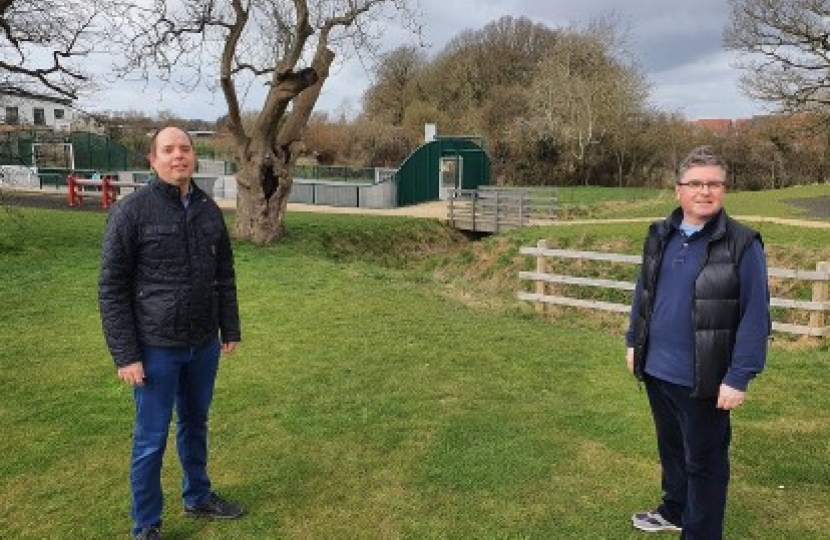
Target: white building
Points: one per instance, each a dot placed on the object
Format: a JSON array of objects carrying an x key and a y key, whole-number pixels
[{"x": 57, "y": 115}]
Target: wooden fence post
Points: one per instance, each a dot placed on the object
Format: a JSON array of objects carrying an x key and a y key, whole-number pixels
[
  {"x": 451, "y": 194},
  {"x": 820, "y": 290},
  {"x": 541, "y": 268},
  {"x": 497, "y": 218},
  {"x": 522, "y": 218},
  {"x": 474, "y": 198}
]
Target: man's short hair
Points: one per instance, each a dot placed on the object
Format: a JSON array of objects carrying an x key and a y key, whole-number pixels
[{"x": 702, "y": 156}]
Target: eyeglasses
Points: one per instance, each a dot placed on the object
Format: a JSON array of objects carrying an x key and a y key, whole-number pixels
[{"x": 698, "y": 185}]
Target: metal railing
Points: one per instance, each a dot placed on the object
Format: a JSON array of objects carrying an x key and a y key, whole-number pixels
[{"x": 495, "y": 209}]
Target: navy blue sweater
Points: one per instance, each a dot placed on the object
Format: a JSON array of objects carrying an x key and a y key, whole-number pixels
[{"x": 670, "y": 354}]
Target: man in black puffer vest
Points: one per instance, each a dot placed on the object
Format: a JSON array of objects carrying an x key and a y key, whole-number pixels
[
  {"x": 698, "y": 334},
  {"x": 167, "y": 296}
]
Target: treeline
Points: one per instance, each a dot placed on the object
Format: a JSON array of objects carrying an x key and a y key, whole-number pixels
[
  {"x": 556, "y": 107},
  {"x": 565, "y": 106}
]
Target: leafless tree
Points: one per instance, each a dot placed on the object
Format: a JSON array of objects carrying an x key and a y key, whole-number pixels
[
  {"x": 397, "y": 75},
  {"x": 506, "y": 52},
  {"x": 44, "y": 43},
  {"x": 787, "y": 46},
  {"x": 475, "y": 84},
  {"x": 584, "y": 93},
  {"x": 287, "y": 45}
]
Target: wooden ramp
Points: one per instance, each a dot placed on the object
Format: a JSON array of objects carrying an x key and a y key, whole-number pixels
[{"x": 493, "y": 209}]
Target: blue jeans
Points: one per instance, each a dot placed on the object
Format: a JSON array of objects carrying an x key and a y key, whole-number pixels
[
  {"x": 175, "y": 376},
  {"x": 693, "y": 442}
]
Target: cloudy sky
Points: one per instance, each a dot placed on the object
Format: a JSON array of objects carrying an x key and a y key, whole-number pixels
[{"x": 677, "y": 42}]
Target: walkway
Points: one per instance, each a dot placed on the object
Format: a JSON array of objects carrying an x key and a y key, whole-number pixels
[{"x": 433, "y": 210}]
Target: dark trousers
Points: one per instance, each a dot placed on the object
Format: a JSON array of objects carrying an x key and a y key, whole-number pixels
[
  {"x": 693, "y": 442},
  {"x": 181, "y": 378}
]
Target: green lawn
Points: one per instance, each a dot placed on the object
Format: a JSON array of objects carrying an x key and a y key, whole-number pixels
[
  {"x": 597, "y": 202},
  {"x": 388, "y": 387}
]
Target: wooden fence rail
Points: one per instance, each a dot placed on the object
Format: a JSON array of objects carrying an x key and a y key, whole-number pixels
[{"x": 817, "y": 306}]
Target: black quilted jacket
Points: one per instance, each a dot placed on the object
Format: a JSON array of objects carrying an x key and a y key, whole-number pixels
[{"x": 167, "y": 275}]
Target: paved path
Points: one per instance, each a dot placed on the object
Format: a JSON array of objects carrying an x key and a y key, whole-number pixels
[
  {"x": 784, "y": 221},
  {"x": 810, "y": 224},
  {"x": 438, "y": 210},
  {"x": 434, "y": 210}
]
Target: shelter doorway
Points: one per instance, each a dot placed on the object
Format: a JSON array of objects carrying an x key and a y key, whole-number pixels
[{"x": 451, "y": 173}]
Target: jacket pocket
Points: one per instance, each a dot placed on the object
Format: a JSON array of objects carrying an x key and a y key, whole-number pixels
[
  {"x": 157, "y": 313},
  {"x": 162, "y": 242}
]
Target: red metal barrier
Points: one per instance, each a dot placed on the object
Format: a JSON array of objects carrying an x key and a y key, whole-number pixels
[
  {"x": 108, "y": 192},
  {"x": 107, "y": 189},
  {"x": 70, "y": 193},
  {"x": 76, "y": 190}
]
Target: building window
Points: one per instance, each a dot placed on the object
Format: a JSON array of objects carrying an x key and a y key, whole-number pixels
[
  {"x": 12, "y": 116},
  {"x": 58, "y": 114},
  {"x": 40, "y": 116}
]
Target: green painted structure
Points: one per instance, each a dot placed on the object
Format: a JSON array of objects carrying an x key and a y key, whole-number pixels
[
  {"x": 90, "y": 153},
  {"x": 442, "y": 164}
]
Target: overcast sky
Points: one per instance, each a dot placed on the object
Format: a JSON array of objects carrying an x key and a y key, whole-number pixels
[{"x": 677, "y": 42}]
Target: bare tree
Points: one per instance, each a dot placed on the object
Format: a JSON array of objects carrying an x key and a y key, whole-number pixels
[
  {"x": 583, "y": 93},
  {"x": 43, "y": 44},
  {"x": 787, "y": 46},
  {"x": 238, "y": 43},
  {"x": 397, "y": 75},
  {"x": 475, "y": 84},
  {"x": 464, "y": 75}
]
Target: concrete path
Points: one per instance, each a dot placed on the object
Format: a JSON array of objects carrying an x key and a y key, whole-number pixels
[{"x": 432, "y": 210}]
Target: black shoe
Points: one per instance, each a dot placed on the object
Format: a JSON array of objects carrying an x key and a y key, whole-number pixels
[
  {"x": 150, "y": 533},
  {"x": 215, "y": 507}
]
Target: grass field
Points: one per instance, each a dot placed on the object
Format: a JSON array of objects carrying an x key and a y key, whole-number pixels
[
  {"x": 388, "y": 387},
  {"x": 598, "y": 202}
]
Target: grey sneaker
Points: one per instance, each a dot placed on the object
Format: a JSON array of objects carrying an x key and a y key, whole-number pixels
[
  {"x": 150, "y": 533},
  {"x": 215, "y": 507},
  {"x": 653, "y": 522}
]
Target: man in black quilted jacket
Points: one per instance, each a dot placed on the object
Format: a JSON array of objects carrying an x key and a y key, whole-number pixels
[{"x": 167, "y": 296}]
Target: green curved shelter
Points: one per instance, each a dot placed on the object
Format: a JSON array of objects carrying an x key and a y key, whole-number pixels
[{"x": 442, "y": 164}]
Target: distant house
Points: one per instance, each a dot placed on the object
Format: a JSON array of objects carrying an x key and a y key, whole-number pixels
[
  {"x": 201, "y": 133},
  {"x": 727, "y": 126},
  {"x": 57, "y": 115},
  {"x": 718, "y": 126}
]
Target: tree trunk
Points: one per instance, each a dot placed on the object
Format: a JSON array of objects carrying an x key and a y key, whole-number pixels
[
  {"x": 264, "y": 184},
  {"x": 266, "y": 173}
]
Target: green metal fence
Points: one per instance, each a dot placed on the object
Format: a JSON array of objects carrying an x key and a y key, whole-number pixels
[
  {"x": 90, "y": 152},
  {"x": 333, "y": 172}
]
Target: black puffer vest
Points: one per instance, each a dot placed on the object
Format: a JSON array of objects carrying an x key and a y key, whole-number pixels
[{"x": 716, "y": 303}]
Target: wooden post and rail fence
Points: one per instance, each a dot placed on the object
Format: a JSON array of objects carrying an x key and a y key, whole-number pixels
[{"x": 817, "y": 306}]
